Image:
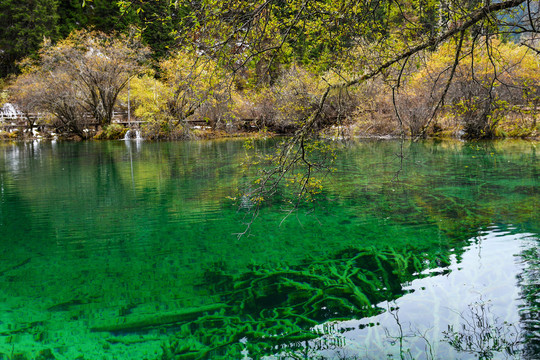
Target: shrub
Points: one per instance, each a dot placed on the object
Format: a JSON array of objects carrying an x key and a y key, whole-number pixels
[
  {"x": 163, "y": 127},
  {"x": 258, "y": 106},
  {"x": 111, "y": 132},
  {"x": 490, "y": 82},
  {"x": 6, "y": 135},
  {"x": 286, "y": 105}
]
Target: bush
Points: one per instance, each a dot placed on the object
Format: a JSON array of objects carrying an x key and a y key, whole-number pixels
[
  {"x": 285, "y": 106},
  {"x": 163, "y": 127},
  {"x": 111, "y": 132},
  {"x": 6, "y": 135},
  {"x": 258, "y": 106},
  {"x": 489, "y": 84}
]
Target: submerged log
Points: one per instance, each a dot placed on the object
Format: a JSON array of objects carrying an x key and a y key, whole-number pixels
[
  {"x": 145, "y": 323},
  {"x": 128, "y": 342},
  {"x": 15, "y": 267}
]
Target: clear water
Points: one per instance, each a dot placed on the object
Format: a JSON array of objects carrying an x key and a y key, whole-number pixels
[{"x": 127, "y": 250}]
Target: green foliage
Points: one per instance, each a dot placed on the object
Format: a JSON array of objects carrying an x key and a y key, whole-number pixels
[
  {"x": 158, "y": 21},
  {"x": 71, "y": 16},
  {"x": 26, "y": 25},
  {"x": 98, "y": 15},
  {"x": 111, "y": 132}
]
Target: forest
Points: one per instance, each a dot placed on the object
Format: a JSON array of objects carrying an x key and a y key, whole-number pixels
[
  {"x": 294, "y": 241},
  {"x": 189, "y": 69}
]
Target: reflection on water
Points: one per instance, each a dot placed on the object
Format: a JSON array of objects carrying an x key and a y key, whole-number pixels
[
  {"x": 530, "y": 293},
  {"x": 473, "y": 290},
  {"x": 126, "y": 250}
]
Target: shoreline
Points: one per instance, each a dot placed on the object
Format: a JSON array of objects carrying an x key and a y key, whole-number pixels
[{"x": 350, "y": 132}]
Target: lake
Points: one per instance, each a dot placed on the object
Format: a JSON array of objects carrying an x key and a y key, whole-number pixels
[{"x": 130, "y": 250}]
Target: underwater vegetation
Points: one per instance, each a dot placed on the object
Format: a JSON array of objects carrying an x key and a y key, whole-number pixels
[{"x": 275, "y": 311}]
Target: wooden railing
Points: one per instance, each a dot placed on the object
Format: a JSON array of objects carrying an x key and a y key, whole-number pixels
[
  {"x": 21, "y": 121},
  {"x": 10, "y": 122}
]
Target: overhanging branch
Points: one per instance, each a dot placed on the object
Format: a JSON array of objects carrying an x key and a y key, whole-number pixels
[{"x": 459, "y": 27}]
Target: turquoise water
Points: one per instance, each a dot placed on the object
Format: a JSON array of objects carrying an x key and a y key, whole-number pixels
[{"x": 128, "y": 250}]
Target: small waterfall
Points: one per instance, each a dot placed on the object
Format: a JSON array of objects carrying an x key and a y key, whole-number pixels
[
  {"x": 9, "y": 112},
  {"x": 133, "y": 135}
]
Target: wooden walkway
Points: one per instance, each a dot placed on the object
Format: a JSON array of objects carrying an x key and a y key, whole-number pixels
[
  {"x": 17, "y": 121},
  {"x": 21, "y": 122}
]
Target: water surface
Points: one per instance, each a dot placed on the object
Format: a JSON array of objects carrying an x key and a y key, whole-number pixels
[{"x": 127, "y": 250}]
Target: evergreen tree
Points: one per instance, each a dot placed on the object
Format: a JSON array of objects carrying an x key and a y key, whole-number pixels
[
  {"x": 100, "y": 15},
  {"x": 157, "y": 21},
  {"x": 25, "y": 25},
  {"x": 71, "y": 16}
]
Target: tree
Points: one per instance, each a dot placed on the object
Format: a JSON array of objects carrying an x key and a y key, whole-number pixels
[
  {"x": 52, "y": 91},
  {"x": 157, "y": 24},
  {"x": 97, "y": 15},
  {"x": 359, "y": 41},
  {"x": 188, "y": 87},
  {"x": 29, "y": 24},
  {"x": 99, "y": 65},
  {"x": 81, "y": 77},
  {"x": 192, "y": 80}
]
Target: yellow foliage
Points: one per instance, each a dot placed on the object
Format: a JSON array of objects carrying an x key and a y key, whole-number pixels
[
  {"x": 188, "y": 86},
  {"x": 511, "y": 63},
  {"x": 491, "y": 80},
  {"x": 148, "y": 96},
  {"x": 191, "y": 81}
]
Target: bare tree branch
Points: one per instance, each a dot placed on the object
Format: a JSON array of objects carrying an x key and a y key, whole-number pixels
[{"x": 474, "y": 18}]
